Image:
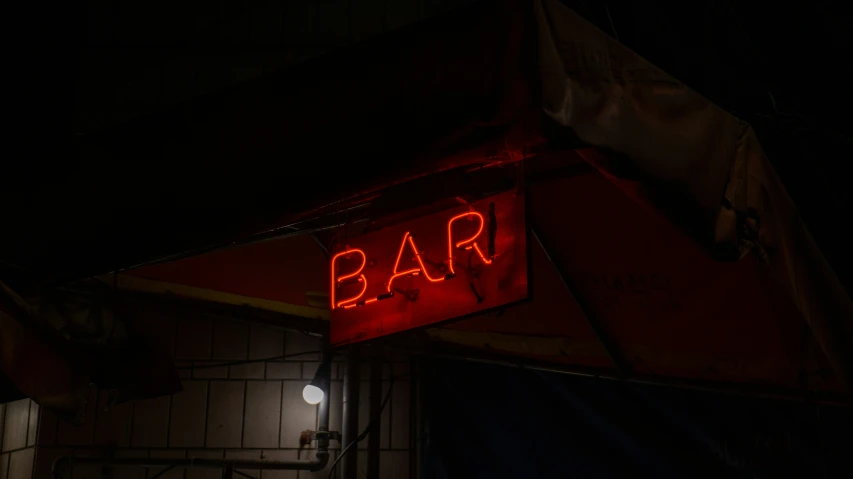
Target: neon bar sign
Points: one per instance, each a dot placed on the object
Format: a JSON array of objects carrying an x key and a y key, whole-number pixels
[
  {"x": 408, "y": 240},
  {"x": 429, "y": 269}
]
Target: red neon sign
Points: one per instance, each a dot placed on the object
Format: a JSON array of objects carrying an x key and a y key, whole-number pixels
[
  {"x": 468, "y": 242},
  {"x": 401, "y": 277},
  {"x": 336, "y": 280}
]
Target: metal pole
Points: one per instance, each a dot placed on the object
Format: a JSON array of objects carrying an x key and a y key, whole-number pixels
[
  {"x": 375, "y": 408},
  {"x": 416, "y": 422},
  {"x": 323, "y": 424},
  {"x": 349, "y": 433}
]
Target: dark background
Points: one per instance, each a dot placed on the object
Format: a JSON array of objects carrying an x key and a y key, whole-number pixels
[
  {"x": 493, "y": 422},
  {"x": 85, "y": 76}
]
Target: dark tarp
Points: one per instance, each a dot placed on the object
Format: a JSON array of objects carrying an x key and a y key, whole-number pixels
[
  {"x": 672, "y": 312},
  {"x": 688, "y": 157},
  {"x": 496, "y": 422},
  {"x": 737, "y": 320}
]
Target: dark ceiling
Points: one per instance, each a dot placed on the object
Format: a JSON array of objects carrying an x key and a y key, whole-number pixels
[{"x": 73, "y": 206}]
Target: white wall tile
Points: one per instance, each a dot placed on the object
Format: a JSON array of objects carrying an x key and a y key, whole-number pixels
[
  {"x": 130, "y": 472},
  {"x": 246, "y": 454},
  {"x": 32, "y": 429},
  {"x": 247, "y": 371},
  {"x": 21, "y": 464},
  {"x": 184, "y": 368},
  {"x": 230, "y": 339},
  {"x": 280, "y": 455},
  {"x": 150, "y": 422},
  {"x": 265, "y": 342},
  {"x": 189, "y": 415},
  {"x": 205, "y": 370},
  {"x": 263, "y": 414},
  {"x": 193, "y": 338},
  {"x": 205, "y": 472},
  {"x": 16, "y": 425},
  {"x": 296, "y": 414},
  {"x": 175, "y": 473},
  {"x": 309, "y": 369},
  {"x": 225, "y": 417},
  {"x": 284, "y": 370},
  {"x": 274, "y": 414},
  {"x": 298, "y": 343}
]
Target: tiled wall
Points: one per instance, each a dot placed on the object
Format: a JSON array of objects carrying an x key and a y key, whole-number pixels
[
  {"x": 242, "y": 411},
  {"x": 18, "y": 427}
]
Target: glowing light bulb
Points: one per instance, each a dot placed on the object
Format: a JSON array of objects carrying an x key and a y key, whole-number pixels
[{"x": 312, "y": 394}]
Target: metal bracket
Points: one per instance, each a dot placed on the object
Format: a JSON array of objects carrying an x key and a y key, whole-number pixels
[{"x": 308, "y": 435}]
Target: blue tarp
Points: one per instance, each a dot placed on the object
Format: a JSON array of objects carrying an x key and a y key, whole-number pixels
[{"x": 494, "y": 422}]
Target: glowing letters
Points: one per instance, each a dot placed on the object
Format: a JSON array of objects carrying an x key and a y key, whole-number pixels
[
  {"x": 336, "y": 280},
  {"x": 407, "y": 242},
  {"x": 469, "y": 242}
]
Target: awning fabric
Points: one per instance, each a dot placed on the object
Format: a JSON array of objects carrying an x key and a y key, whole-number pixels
[
  {"x": 726, "y": 285},
  {"x": 681, "y": 145}
]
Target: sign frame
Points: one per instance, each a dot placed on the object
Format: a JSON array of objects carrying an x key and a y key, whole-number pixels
[{"x": 505, "y": 285}]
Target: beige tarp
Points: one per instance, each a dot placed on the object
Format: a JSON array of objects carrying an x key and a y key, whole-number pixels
[{"x": 683, "y": 143}]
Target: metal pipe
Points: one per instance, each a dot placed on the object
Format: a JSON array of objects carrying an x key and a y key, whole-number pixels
[
  {"x": 416, "y": 421},
  {"x": 321, "y": 458},
  {"x": 315, "y": 464},
  {"x": 375, "y": 409},
  {"x": 349, "y": 430}
]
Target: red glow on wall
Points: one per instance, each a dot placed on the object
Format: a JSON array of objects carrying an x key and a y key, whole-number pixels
[{"x": 402, "y": 277}]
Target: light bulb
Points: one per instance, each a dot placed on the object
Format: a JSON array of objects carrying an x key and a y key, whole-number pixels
[{"x": 312, "y": 394}]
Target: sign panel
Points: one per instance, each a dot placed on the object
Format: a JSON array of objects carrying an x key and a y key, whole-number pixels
[{"x": 431, "y": 269}]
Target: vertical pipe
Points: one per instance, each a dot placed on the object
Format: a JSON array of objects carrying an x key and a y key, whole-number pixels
[
  {"x": 323, "y": 421},
  {"x": 352, "y": 383},
  {"x": 415, "y": 422},
  {"x": 375, "y": 408}
]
